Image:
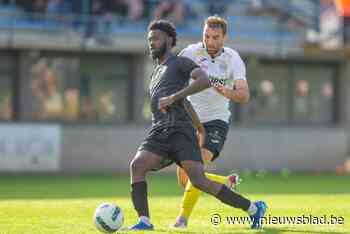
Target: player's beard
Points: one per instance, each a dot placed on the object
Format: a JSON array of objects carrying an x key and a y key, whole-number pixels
[
  {"x": 158, "y": 53},
  {"x": 212, "y": 51}
]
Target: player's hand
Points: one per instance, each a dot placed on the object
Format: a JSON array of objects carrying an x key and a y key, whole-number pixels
[
  {"x": 201, "y": 136},
  {"x": 165, "y": 102},
  {"x": 221, "y": 89}
]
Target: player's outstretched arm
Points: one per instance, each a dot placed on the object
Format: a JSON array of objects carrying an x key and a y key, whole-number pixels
[{"x": 201, "y": 82}]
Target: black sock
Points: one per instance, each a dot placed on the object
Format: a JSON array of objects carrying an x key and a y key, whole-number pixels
[
  {"x": 139, "y": 198},
  {"x": 232, "y": 199}
]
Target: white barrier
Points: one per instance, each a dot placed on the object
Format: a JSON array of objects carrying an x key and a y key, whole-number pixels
[{"x": 30, "y": 148}]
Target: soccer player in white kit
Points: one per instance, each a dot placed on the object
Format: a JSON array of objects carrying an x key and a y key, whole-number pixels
[{"x": 227, "y": 73}]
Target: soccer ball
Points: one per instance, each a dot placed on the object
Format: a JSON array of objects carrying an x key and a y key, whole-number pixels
[{"x": 108, "y": 217}]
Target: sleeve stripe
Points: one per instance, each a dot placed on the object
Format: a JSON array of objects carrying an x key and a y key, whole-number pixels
[{"x": 181, "y": 52}]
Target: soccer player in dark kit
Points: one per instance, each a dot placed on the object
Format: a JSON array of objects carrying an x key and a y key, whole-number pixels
[{"x": 172, "y": 137}]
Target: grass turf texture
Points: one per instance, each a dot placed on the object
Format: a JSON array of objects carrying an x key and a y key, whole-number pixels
[{"x": 63, "y": 204}]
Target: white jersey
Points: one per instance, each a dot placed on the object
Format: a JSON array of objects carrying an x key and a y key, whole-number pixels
[{"x": 223, "y": 69}]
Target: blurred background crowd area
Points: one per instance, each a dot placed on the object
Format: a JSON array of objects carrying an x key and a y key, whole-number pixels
[
  {"x": 179, "y": 11},
  {"x": 107, "y": 16}
]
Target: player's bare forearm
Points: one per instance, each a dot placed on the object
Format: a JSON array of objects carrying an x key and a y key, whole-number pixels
[
  {"x": 195, "y": 119},
  {"x": 201, "y": 82},
  {"x": 240, "y": 92},
  {"x": 238, "y": 95}
]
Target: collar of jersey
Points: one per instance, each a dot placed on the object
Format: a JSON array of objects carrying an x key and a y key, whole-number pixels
[{"x": 165, "y": 61}]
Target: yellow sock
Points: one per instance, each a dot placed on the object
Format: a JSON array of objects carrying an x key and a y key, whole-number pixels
[
  {"x": 189, "y": 200},
  {"x": 217, "y": 178},
  {"x": 191, "y": 195}
]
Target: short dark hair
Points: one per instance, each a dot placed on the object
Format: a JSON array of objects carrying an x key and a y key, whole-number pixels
[
  {"x": 216, "y": 21},
  {"x": 165, "y": 26}
]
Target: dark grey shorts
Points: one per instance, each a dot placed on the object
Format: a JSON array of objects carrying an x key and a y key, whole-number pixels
[
  {"x": 174, "y": 144},
  {"x": 216, "y": 133}
]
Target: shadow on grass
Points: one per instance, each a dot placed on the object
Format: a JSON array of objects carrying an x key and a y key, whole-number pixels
[{"x": 160, "y": 185}]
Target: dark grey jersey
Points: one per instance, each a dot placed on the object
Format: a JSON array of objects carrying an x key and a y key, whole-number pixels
[{"x": 167, "y": 79}]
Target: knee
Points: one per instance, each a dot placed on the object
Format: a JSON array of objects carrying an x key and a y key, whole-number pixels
[{"x": 136, "y": 166}]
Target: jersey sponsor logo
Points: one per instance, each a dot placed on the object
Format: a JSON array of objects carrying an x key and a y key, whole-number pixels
[{"x": 217, "y": 81}]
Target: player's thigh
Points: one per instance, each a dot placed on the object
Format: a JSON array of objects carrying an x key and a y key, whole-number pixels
[
  {"x": 195, "y": 172},
  {"x": 206, "y": 158},
  {"x": 182, "y": 177},
  {"x": 157, "y": 144}
]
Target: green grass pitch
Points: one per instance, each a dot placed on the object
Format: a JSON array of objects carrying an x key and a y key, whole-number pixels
[{"x": 65, "y": 204}]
